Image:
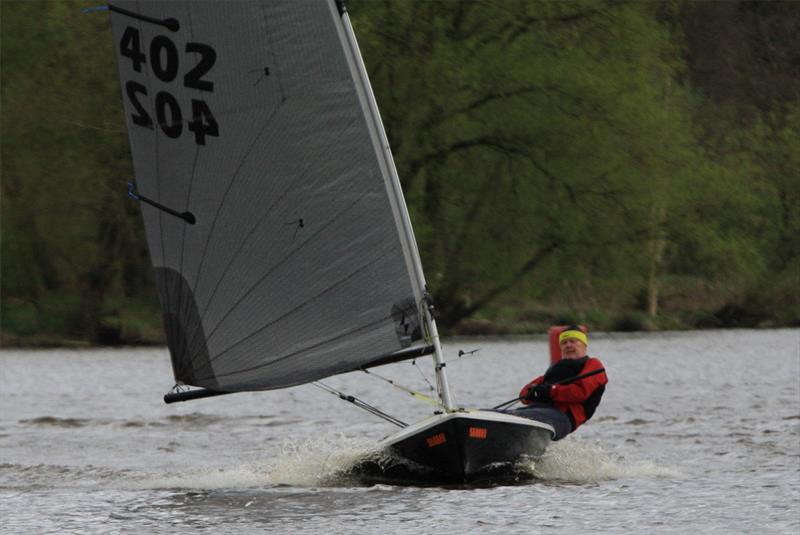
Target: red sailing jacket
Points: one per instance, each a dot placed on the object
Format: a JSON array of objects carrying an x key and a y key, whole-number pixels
[{"x": 579, "y": 399}]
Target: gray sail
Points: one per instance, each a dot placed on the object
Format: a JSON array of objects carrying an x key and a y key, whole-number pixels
[{"x": 280, "y": 243}]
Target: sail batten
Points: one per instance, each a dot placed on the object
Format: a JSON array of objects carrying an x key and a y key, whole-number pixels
[{"x": 301, "y": 262}]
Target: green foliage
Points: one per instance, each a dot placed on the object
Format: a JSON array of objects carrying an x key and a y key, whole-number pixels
[
  {"x": 551, "y": 151},
  {"x": 68, "y": 228},
  {"x": 561, "y": 161}
]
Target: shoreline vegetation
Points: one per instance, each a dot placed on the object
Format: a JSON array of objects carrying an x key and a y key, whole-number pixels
[
  {"x": 144, "y": 328},
  {"x": 632, "y": 166}
]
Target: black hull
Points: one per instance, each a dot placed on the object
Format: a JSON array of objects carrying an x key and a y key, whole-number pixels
[{"x": 459, "y": 448}]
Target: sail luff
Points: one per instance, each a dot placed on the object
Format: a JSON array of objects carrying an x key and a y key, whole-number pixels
[
  {"x": 398, "y": 205},
  {"x": 383, "y": 152}
]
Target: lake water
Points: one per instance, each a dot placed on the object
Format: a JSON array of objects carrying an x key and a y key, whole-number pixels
[{"x": 697, "y": 431}]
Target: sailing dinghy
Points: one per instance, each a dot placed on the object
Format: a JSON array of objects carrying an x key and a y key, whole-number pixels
[{"x": 282, "y": 247}]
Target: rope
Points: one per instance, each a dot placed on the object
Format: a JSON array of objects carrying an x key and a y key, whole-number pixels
[{"x": 424, "y": 377}]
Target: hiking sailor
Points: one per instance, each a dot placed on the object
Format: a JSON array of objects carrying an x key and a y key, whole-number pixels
[{"x": 555, "y": 399}]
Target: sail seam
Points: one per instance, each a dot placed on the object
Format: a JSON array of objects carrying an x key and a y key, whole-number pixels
[
  {"x": 308, "y": 348},
  {"x": 300, "y": 306},
  {"x": 235, "y": 175},
  {"x": 251, "y": 232},
  {"x": 165, "y": 290},
  {"x": 272, "y": 51},
  {"x": 280, "y": 263},
  {"x": 190, "y": 187}
]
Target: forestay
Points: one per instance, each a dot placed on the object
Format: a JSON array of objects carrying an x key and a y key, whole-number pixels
[{"x": 280, "y": 241}]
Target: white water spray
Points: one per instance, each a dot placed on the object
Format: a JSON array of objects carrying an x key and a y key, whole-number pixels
[{"x": 576, "y": 461}]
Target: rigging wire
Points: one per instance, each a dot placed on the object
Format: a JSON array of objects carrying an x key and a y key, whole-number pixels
[
  {"x": 414, "y": 393},
  {"x": 360, "y": 404},
  {"x": 179, "y": 387},
  {"x": 424, "y": 377}
]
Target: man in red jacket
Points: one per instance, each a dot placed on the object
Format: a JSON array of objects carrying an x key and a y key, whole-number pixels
[{"x": 565, "y": 406}]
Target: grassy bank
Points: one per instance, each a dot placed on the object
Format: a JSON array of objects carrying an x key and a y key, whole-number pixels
[
  {"x": 50, "y": 324},
  {"x": 538, "y": 321},
  {"x": 63, "y": 322}
]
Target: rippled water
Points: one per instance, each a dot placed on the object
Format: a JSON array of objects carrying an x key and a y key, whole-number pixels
[{"x": 697, "y": 431}]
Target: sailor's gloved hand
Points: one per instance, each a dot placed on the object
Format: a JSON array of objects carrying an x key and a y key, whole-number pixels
[{"x": 540, "y": 393}]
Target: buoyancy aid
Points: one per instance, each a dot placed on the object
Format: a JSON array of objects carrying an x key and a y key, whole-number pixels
[{"x": 578, "y": 400}]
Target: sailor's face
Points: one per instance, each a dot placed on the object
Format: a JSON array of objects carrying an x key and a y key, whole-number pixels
[{"x": 572, "y": 348}]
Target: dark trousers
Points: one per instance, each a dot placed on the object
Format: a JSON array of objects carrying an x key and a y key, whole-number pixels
[{"x": 545, "y": 414}]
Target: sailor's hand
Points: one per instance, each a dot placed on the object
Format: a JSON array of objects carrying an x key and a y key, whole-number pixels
[{"x": 540, "y": 393}]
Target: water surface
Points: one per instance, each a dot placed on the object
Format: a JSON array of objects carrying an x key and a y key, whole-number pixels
[{"x": 697, "y": 431}]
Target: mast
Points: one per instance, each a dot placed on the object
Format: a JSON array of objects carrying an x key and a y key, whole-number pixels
[{"x": 398, "y": 202}]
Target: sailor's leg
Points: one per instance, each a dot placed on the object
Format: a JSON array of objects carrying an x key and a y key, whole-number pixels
[{"x": 548, "y": 415}]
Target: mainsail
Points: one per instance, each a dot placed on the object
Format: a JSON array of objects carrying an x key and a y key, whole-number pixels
[{"x": 278, "y": 233}]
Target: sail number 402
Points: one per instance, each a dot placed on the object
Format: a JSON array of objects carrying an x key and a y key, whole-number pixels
[{"x": 165, "y": 66}]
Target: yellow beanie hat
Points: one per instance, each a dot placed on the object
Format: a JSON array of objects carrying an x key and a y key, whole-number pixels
[{"x": 573, "y": 331}]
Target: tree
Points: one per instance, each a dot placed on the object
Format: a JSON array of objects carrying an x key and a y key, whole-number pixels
[{"x": 524, "y": 137}]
